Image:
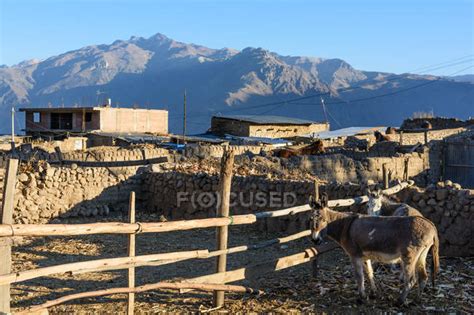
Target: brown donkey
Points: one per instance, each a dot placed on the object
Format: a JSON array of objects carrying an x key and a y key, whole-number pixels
[{"x": 383, "y": 239}]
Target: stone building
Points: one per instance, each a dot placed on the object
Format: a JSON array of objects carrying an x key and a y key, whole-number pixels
[
  {"x": 264, "y": 126},
  {"x": 53, "y": 121}
]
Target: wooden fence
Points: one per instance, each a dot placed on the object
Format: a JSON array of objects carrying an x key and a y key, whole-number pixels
[{"x": 216, "y": 282}]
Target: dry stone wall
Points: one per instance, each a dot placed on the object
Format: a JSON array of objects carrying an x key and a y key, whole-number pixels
[
  {"x": 451, "y": 208},
  {"x": 436, "y": 123},
  {"x": 51, "y": 192},
  {"x": 187, "y": 196},
  {"x": 216, "y": 151},
  {"x": 104, "y": 154}
]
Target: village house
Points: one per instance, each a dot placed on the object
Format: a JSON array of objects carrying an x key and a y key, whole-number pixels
[
  {"x": 101, "y": 119},
  {"x": 264, "y": 126}
]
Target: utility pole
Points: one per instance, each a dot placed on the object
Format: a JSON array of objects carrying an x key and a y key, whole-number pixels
[
  {"x": 13, "y": 129},
  {"x": 324, "y": 110},
  {"x": 184, "y": 118}
]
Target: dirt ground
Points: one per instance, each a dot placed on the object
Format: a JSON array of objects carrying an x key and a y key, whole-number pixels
[{"x": 290, "y": 290}]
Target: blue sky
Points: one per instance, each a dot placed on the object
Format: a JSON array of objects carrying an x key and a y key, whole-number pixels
[{"x": 393, "y": 36}]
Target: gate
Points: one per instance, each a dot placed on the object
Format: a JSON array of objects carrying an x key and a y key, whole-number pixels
[{"x": 459, "y": 163}]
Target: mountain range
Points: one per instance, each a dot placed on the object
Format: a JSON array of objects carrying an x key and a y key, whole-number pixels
[{"x": 154, "y": 72}]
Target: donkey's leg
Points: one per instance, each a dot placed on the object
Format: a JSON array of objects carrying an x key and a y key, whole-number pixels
[
  {"x": 421, "y": 271},
  {"x": 370, "y": 275},
  {"x": 409, "y": 278},
  {"x": 359, "y": 274}
]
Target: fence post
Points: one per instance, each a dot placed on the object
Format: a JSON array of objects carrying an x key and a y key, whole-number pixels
[
  {"x": 401, "y": 137},
  {"x": 405, "y": 171},
  {"x": 385, "y": 176},
  {"x": 426, "y": 136},
  {"x": 5, "y": 243},
  {"x": 314, "y": 263},
  {"x": 227, "y": 164},
  {"x": 131, "y": 253}
]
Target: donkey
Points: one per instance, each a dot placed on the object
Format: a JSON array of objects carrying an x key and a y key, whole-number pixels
[
  {"x": 314, "y": 148},
  {"x": 380, "y": 204},
  {"x": 379, "y": 137},
  {"x": 382, "y": 239}
]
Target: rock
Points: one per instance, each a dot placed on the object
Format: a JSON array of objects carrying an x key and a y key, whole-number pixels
[
  {"x": 73, "y": 166},
  {"x": 457, "y": 186},
  {"x": 23, "y": 178},
  {"x": 441, "y": 194},
  {"x": 416, "y": 197},
  {"x": 432, "y": 202},
  {"x": 448, "y": 183}
]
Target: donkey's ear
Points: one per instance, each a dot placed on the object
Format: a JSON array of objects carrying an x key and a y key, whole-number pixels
[
  {"x": 324, "y": 200},
  {"x": 314, "y": 204}
]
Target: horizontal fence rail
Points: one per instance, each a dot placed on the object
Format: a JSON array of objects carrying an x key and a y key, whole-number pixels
[
  {"x": 143, "y": 288},
  {"x": 9, "y": 230},
  {"x": 138, "y": 261}
]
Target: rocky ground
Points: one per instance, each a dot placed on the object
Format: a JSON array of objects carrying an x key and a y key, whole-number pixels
[{"x": 289, "y": 290}]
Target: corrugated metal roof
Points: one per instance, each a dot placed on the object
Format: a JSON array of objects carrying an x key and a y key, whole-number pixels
[
  {"x": 269, "y": 119},
  {"x": 345, "y": 132},
  {"x": 256, "y": 140}
]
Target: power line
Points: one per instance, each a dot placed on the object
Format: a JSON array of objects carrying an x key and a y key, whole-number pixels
[{"x": 363, "y": 84}]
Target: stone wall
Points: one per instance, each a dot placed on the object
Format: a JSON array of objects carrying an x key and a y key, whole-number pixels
[
  {"x": 187, "y": 196},
  {"x": 452, "y": 210},
  {"x": 412, "y": 138},
  {"x": 216, "y": 151},
  {"x": 102, "y": 154},
  {"x": 49, "y": 192},
  {"x": 436, "y": 123}
]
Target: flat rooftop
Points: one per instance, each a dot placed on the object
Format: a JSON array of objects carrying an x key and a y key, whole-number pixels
[
  {"x": 269, "y": 120},
  {"x": 82, "y": 108}
]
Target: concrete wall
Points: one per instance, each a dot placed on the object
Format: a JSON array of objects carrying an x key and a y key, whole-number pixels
[
  {"x": 133, "y": 120},
  {"x": 106, "y": 119}
]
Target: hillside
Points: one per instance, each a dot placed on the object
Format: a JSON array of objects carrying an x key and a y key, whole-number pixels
[{"x": 153, "y": 73}]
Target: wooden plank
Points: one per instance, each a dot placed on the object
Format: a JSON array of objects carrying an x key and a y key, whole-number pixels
[
  {"x": 120, "y": 227},
  {"x": 236, "y": 249},
  {"x": 83, "y": 266},
  {"x": 385, "y": 176},
  {"x": 262, "y": 268},
  {"x": 6, "y": 217},
  {"x": 227, "y": 164},
  {"x": 131, "y": 253},
  {"x": 156, "y": 160},
  {"x": 143, "y": 288}
]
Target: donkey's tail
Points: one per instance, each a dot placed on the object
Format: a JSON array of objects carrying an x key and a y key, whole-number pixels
[{"x": 435, "y": 258}]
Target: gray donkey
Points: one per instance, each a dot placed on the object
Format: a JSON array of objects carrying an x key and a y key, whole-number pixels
[
  {"x": 380, "y": 204},
  {"x": 381, "y": 239}
]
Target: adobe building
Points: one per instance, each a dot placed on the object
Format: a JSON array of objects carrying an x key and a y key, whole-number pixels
[
  {"x": 104, "y": 119},
  {"x": 264, "y": 126}
]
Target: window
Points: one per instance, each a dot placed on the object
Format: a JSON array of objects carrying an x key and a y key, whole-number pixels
[
  {"x": 36, "y": 117},
  {"x": 88, "y": 117},
  {"x": 61, "y": 121}
]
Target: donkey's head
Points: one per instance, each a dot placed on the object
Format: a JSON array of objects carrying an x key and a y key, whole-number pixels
[
  {"x": 375, "y": 201},
  {"x": 319, "y": 218}
]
